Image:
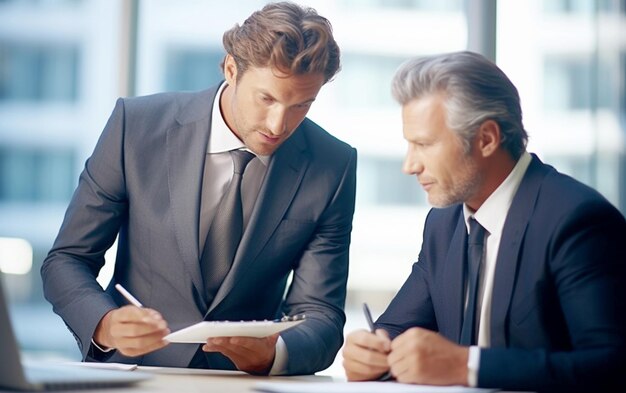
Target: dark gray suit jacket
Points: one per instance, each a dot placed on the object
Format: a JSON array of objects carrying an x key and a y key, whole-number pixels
[
  {"x": 143, "y": 183},
  {"x": 558, "y": 315}
]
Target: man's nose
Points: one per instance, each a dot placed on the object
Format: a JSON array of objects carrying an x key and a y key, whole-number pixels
[
  {"x": 277, "y": 121},
  {"x": 412, "y": 164}
]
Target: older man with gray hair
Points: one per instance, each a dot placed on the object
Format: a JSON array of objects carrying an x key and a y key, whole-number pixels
[{"x": 520, "y": 283}]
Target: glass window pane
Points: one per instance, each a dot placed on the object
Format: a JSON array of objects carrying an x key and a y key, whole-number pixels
[
  {"x": 192, "y": 69},
  {"x": 38, "y": 72},
  {"x": 570, "y": 74},
  {"x": 59, "y": 78},
  {"x": 36, "y": 174}
]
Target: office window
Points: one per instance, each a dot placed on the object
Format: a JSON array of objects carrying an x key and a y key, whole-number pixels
[
  {"x": 571, "y": 75},
  {"x": 192, "y": 69},
  {"x": 382, "y": 183},
  {"x": 574, "y": 83},
  {"x": 365, "y": 80},
  {"x": 31, "y": 174},
  {"x": 38, "y": 72},
  {"x": 41, "y": 3},
  {"x": 573, "y": 165},
  {"x": 424, "y": 5},
  {"x": 569, "y": 6},
  {"x": 583, "y": 6},
  {"x": 442, "y": 5}
]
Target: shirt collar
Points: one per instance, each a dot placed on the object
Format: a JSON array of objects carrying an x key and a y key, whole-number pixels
[
  {"x": 493, "y": 211},
  {"x": 221, "y": 138}
]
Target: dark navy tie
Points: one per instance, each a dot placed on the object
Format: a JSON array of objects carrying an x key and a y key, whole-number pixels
[
  {"x": 475, "y": 244},
  {"x": 226, "y": 229}
]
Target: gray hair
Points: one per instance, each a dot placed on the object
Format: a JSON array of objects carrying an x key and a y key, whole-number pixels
[{"x": 476, "y": 90}]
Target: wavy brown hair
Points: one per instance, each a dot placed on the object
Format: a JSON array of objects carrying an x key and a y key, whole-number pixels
[{"x": 292, "y": 39}]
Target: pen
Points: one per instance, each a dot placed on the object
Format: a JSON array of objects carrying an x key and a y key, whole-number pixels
[
  {"x": 370, "y": 322},
  {"x": 131, "y": 299},
  {"x": 368, "y": 318}
]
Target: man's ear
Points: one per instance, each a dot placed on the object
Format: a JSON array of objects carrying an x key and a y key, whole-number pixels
[
  {"x": 488, "y": 138},
  {"x": 230, "y": 70}
]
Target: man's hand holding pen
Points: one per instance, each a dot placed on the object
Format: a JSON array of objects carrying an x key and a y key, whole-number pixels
[
  {"x": 132, "y": 330},
  {"x": 365, "y": 355},
  {"x": 135, "y": 330},
  {"x": 415, "y": 356}
]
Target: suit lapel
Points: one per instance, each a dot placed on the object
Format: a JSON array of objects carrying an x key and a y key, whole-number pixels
[
  {"x": 513, "y": 233},
  {"x": 284, "y": 175},
  {"x": 186, "y": 154},
  {"x": 454, "y": 292}
]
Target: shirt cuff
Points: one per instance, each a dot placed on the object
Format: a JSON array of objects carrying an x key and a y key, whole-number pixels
[
  {"x": 280, "y": 359},
  {"x": 473, "y": 363},
  {"x": 101, "y": 349}
]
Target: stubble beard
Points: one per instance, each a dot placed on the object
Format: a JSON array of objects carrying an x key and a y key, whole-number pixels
[{"x": 465, "y": 186}]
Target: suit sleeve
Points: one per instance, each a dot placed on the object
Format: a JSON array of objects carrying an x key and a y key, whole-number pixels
[
  {"x": 587, "y": 265},
  {"x": 398, "y": 318},
  {"x": 318, "y": 288},
  {"x": 89, "y": 228},
  {"x": 412, "y": 305}
]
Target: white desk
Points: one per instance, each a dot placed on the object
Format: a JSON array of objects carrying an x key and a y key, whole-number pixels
[
  {"x": 206, "y": 381},
  {"x": 181, "y": 380}
]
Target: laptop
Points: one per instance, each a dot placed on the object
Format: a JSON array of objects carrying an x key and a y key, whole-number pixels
[{"x": 15, "y": 375}]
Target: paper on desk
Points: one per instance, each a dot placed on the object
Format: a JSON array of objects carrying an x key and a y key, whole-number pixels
[
  {"x": 359, "y": 387},
  {"x": 108, "y": 366},
  {"x": 198, "y": 333}
]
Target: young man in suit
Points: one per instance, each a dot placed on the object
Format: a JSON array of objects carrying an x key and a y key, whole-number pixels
[
  {"x": 534, "y": 300},
  {"x": 160, "y": 177}
]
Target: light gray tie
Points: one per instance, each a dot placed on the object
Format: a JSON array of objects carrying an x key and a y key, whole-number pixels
[{"x": 226, "y": 229}]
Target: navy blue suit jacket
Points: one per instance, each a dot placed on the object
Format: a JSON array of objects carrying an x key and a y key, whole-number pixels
[{"x": 559, "y": 296}]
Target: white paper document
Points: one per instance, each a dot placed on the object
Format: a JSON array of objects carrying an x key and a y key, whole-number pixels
[
  {"x": 198, "y": 333},
  {"x": 360, "y": 387},
  {"x": 107, "y": 366}
]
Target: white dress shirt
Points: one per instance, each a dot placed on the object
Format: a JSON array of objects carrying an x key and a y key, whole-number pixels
[
  {"x": 491, "y": 215},
  {"x": 218, "y": 172}
]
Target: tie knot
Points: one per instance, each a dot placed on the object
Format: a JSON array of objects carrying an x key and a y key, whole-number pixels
[
  {"x": 477, "y": 232},
  {"x": 241, "y": 158}
]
